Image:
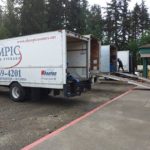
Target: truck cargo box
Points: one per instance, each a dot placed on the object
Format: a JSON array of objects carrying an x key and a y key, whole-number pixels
[
  {"x": 43, "y": 60},
  {"x": 108, "y": 59}
]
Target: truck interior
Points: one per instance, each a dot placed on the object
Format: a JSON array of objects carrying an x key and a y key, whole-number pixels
[
  {"x": 95, "y": 47},
  {"x": 77, "y": 57},
  {"x": 77, "y": 66}
]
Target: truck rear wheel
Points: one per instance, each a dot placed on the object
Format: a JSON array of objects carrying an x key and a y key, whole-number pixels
[{"x": 17, "y": 92}]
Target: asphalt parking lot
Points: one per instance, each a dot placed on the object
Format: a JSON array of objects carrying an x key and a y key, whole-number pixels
[{"x": 23, "y": 123}]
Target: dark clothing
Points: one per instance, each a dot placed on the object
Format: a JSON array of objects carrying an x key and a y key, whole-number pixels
[{"x": 120, "y": 65}]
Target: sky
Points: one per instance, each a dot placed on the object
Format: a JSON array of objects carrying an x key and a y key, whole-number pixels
[{"x": 102, "y": 3}]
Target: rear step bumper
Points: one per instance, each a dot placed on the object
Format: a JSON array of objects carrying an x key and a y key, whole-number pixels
[{"x": 72, "y": 89}]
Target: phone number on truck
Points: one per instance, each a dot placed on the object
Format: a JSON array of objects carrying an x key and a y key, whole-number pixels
[{"x": 10, "y": 73}]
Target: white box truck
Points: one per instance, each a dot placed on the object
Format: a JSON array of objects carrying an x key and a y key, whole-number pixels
[
  {"x": 108, "y": 59},
  {"x": 41, "y": 62},
  {"x": 127, "y": 59}
]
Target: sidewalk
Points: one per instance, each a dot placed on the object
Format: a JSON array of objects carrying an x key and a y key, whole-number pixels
[{"x": 121, "y": 125}]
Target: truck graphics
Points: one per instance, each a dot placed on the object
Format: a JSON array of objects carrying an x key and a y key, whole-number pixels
[
  {"x": 48, "y": 73},
  {"x": 10, "y": 56}
]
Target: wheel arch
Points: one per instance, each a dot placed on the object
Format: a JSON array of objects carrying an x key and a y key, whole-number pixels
[{"x": 14, "y": 82}]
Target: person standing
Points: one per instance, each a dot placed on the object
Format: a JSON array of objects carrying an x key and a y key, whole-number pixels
[{"x": 120, "y": 65}]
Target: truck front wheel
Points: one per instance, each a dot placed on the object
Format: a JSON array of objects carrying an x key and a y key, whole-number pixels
[{"x": 17, "y": 92}]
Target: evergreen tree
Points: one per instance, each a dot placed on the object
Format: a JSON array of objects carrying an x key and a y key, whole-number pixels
[
  {"x": 113, "y": 24},
  {"x": 140, "y": 20},
  {"x": 95, "y": 21},
  {"x": 145, "y": 39},
  {"x": 125, "y": 24},
  {"x": 135, "y": 22},
  {"x": 1, "y": 15},
  {"x": 118, "y": 26},
  {"x": 144, "y": 18},
  {"x": 55, "y": 14},
  {"x": 33, "y": 16},
  {"x": 11, "y": 20},
  {"x": 108, "y": 27},
  {"x": 4, "y": 33},
  {"x": 83, "y": 16},
  {"x": 76, "y": 15},
  {"x": 72, "y": 10}
]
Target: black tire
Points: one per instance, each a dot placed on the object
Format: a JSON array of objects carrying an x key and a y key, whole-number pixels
[{"x": 17, "y": 92}]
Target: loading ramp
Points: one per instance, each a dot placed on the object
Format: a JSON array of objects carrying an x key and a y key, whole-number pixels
[{"x": 128, "y": 78}]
